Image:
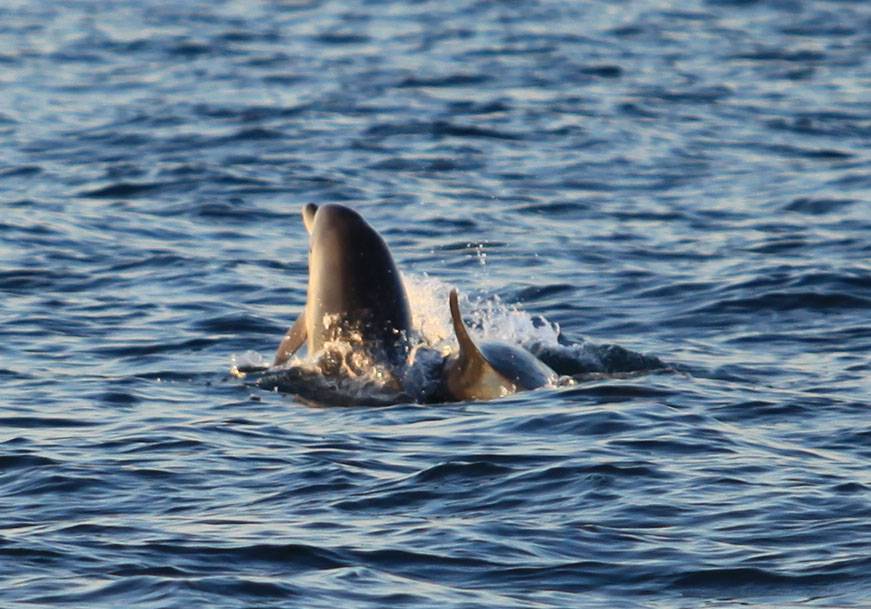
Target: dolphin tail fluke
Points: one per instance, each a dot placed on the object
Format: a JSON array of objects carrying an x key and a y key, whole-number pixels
[{"x": 292, "y": 341}]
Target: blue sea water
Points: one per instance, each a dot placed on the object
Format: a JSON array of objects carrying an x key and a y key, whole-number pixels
[{"x": 686, "y": 180}]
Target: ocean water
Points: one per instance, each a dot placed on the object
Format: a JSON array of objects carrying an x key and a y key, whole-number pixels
[{"x": 690, "y": 181}]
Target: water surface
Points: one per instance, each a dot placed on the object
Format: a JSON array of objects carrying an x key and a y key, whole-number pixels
[{"x": 689, "y": 181}]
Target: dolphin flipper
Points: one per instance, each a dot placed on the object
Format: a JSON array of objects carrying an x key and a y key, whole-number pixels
[{"x": 292, "y": 341}]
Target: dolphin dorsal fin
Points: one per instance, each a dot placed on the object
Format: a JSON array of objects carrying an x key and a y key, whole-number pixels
[
  {"x": 468, "y": 348},
  {"x": 470, "y": 376},
  {"x": 470, "y": 359}
]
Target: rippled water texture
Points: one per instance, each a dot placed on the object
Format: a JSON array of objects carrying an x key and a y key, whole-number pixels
[{"x": 688, "y": 180}]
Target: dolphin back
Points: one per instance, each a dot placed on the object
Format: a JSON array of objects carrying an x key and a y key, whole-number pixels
[{"x": 517, "y": 364}]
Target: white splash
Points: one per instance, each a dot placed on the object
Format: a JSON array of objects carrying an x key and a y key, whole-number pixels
[
  {"x": 488, "y": 316},
  {"x": 430, "y": 314}
]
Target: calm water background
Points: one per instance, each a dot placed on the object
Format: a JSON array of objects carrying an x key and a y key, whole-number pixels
[{"x": 690, "y": 180}]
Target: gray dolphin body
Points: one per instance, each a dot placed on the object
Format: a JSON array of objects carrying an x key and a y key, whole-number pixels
[
  {"x": 355, "y": 292},
  {"x": 490, "y": 369}
]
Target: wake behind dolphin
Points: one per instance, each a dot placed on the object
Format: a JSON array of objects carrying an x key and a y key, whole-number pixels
[{"x": 356, "y": 327}]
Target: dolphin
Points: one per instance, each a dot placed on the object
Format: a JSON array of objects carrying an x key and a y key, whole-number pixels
[
  {"x": 490, "y": 369},
  {"x": 355, "y": 293}
]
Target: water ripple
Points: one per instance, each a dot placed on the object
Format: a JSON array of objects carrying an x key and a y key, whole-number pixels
[{"x": 667, "y": 204}]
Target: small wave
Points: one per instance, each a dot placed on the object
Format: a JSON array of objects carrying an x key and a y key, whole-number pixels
[
  {"x": 788, "y": 301},
  {"x": 255, "y": 134},
  {"x": 425, "y": 165},
  {"x": 602, "y": 71},
  {"x": 191, "y": 49},
  {"x": 157, "y": 445},
  {"x": 699, "y": 95},
  {"x": 342, "y": 38},
  {"x": 577, "y": 576},
  {"x": 30, "y": 279},
  {"x": 829, "y": 124},
  {"x": 128, "y": 349},
  {"x": 439, "y": 129},
  {"x": 748, "y": 577},
  {"x": 392, "y": 502},
  {"x": 575, "y": 424},
  {"x": 447, "y": 129},
  {"x": 118, "y": 398},
  {"x": 296, "y": 555},
  {"x": 819, "y": 154},
  {"x": 617, "y": 392},
  {"x": 406, "y": 560},
  {"x": 248, "y": 113},
  {"x": 574, "y": 208},
  {"x": 245, "y": 587},
  {"x": 817, "y": 207},
  {"x": 33, "y": 555},
  {"x": 122, "y": 190},
  {"x": 20, "y": 171},
  {"x": 778, "y": 245},
  {"x": 159, "y": 571},
  {"x": 453, "y": 80},
  {"x": 479, "y": 108},
  {"x": 44, "y": 421},
  {"x": 14, "y": 462},
  {"x": 675, "y": 447},
  {"x": 54, "y": 484},
  {"x": 748, "y": 410},
  {"x": 462, "y": 471},
  {"x": 152, "y": 586},
  {"x": 235, "y": 323}
]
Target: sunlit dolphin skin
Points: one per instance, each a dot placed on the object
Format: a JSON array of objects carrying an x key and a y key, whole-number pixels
[
  {"x": 355, "y": 292},
  {"x": 490, "y": 369},
  {"x": 356, "y": 296}
]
